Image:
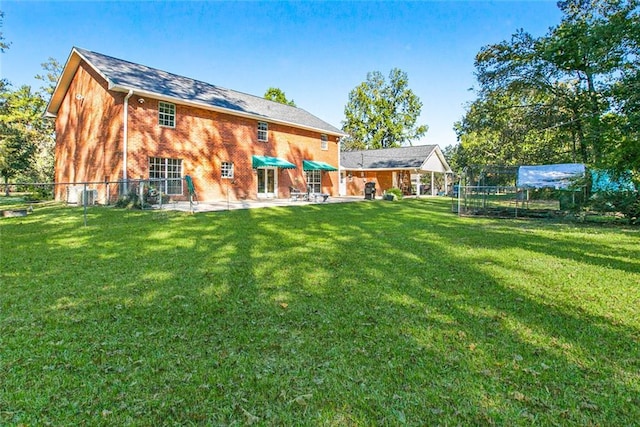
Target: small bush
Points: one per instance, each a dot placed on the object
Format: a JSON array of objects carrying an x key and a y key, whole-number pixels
[
  {"x": 396, "y": 192},
  {"x": 626, "y": 203},
  {"x": 35, "y": 197},
  {"x": 38, "y": 194},
  {"x": 129, "y": 201},
  {"x": 150, "y": 196}
]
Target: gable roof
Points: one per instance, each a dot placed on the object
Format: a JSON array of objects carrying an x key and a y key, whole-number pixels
[
  {"x": 124, "y": 76},
  {"x": 418, "y": 157}
]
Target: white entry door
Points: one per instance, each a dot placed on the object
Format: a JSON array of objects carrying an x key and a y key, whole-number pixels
[{"x": 267, "y": 183}]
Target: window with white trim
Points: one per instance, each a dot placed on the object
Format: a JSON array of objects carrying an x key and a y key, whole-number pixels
[
  {"x": 165, "y": 175},
  {"x": 226, "y": 170},
  {"x": 324, "y": 142},
  {"x": 263, "y": 131},
  {"x": 314, "y": 181},
  {"x": 166, "y": 114}
]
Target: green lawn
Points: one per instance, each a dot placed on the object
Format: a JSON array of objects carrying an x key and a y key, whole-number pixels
[{"x": 380, "y": 313}]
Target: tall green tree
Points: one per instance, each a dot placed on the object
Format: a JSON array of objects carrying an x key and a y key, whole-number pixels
[
  {"x": 501, "y": 129},
  {"x": 16, "y": 152},
  {"x": 277, "y": 95},
  {"x": 53, "y": 70},
  {"x": 566, "y": 90},
  {"x": 625, "y": 147},
  {"x": 381, "y": 113},
  {"x": 22, "y": 117},
  {"x": 43, "y": 165}
]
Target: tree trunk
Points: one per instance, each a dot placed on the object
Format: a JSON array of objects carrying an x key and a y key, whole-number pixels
[
  {"x": 579, "y": 138},
  {"x": 594, "y": 132}
]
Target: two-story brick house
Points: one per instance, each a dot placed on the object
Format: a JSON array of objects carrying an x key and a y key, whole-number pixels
[{"x": 118, "y": 121}]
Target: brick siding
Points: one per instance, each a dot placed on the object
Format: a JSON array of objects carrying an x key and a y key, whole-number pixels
[{"x": 89, "y": 141}]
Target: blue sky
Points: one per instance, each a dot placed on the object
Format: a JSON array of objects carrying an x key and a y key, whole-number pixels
[{"x": 316, "y": 52}]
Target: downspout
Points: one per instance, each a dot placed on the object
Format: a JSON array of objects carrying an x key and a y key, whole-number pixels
[
  {"x": 125, "y": 139},
  {"x": 340, "y": 172}
]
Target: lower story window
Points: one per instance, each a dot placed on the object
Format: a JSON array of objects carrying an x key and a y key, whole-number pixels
[
  {"x": 166, "y": 175},
  {"x": 226, "y": 170},
  {"x": 314, "y": 181}
]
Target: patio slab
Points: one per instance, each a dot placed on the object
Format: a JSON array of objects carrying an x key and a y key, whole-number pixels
[{"x": 223, "y": 205}]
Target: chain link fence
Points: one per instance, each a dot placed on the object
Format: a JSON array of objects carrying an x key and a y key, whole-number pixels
[
  {"x": 142, "y": 193},
  {"x": 513, "y": 202},
  {"x": 492, "y": 190}
]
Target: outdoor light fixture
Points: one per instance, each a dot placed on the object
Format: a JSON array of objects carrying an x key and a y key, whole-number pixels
[{"x": 141, "y": 100}]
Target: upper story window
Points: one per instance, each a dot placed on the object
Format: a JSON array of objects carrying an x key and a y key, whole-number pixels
[
  {"x": 324, "y": 142},
  {"x": 226, "y": 171},
  {"x": 166, "y": 114},
  {"x": 263, "y": 130}
]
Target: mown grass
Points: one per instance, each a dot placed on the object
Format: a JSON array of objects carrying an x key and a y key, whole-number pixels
[{"x": 351, "y": 314}]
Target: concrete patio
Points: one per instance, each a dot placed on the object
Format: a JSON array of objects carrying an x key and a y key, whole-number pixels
[{"x": 223, "y": 205}]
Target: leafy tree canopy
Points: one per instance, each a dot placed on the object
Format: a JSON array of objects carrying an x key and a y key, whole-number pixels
[
  {"x": 53, "y": 70},
  {"x": 26, "y": 136},
  {"x": 277, "y": 95},
  {"x": 570, "y": 95},
  {"x": 381, "y": 113}
]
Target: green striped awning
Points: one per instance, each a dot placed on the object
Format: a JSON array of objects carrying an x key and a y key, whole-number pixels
[
  {"x": 310, "y": 165},
  {"x": 270, "y": 162}
]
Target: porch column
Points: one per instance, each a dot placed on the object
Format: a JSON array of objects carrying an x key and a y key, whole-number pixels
[
  {"x": 433, "y": 187},
  {"x": 446, "y": 184}
]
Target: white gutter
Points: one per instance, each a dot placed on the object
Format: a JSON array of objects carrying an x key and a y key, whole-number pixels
[
  {"x": 340, "y": 172},
  {"x": 125, "y": 137}
]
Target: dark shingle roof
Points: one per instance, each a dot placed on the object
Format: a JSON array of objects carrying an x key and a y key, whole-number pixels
[
  {"x": 387, "y": 158},
  {"x": 128, "y": 75}
]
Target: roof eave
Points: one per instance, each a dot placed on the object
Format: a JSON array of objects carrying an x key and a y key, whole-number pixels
[
  {"x": 378, "y": 169},
  {"x": 69, "y": 71},
  {"x": 443, "y": 159},
  {"x": 70, "y": 68}
]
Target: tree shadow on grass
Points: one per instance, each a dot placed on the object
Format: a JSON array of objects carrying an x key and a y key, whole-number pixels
[{"x": 359, "y": 314}]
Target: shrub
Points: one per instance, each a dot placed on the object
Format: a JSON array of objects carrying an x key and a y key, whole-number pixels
[
  {"x": 131, "y": 200},
  {"x": 396, "y": 192},
  {"x": 626, "y": 203},
  {"x": 150, "y": 196},
  {"x": 38, "y": 194}
]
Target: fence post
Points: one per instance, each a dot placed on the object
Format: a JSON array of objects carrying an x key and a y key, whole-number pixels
[
  {"x": 84, "y": 202},
  {"x": 141, "y": 194}
]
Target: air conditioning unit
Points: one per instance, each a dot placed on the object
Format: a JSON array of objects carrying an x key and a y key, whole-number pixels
[
  {"x": 73, "y": 192},
  {"x": 91, "y": 197}
]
